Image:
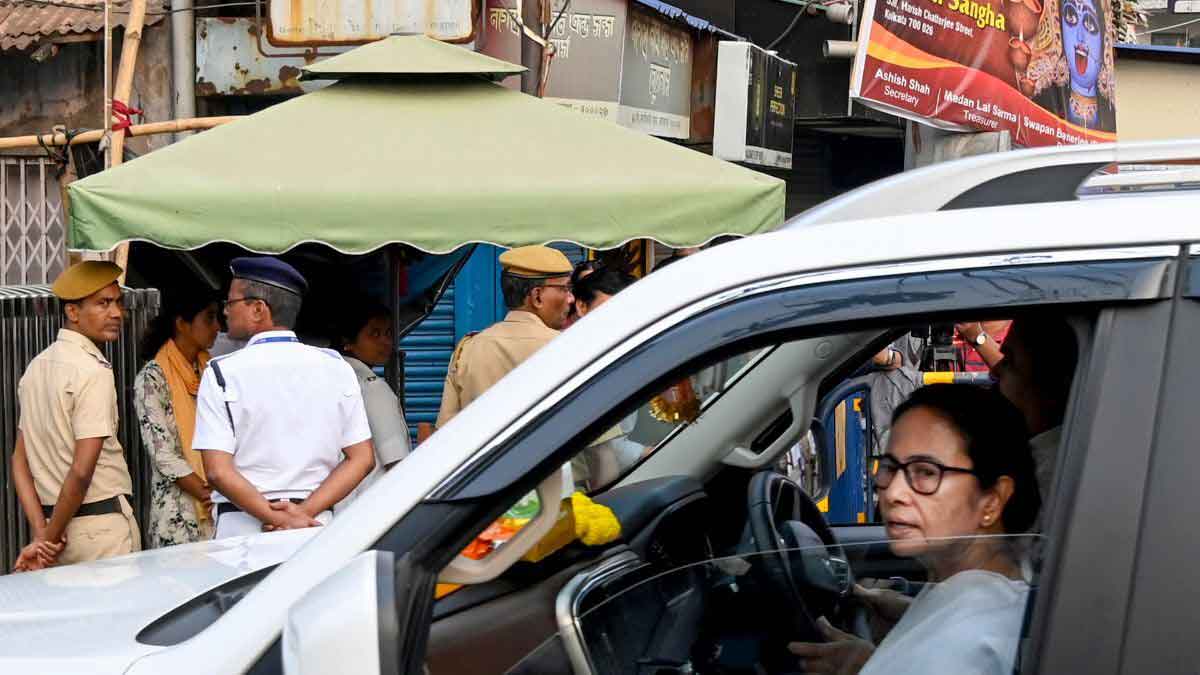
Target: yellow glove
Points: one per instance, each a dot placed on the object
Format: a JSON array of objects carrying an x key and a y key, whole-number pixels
[{"x": 595, "y": 524}]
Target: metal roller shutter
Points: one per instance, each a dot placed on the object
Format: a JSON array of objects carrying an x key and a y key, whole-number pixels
[
  {"x": 427, "y": 352},
  {"x": 574, "y": 253}
]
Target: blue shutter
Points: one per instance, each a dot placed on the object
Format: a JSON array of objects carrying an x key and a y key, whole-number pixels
[
  {"x": 471, "y": 303},
  {"x": 575, "y": 253},
  {"x": 427, "y": 350}
]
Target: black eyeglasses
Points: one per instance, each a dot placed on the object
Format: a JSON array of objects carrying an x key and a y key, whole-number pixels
[
  {"x": 230, "y": 301},
  {"x": 565, "y": 287},
  {"x": 924, "y": 476}
]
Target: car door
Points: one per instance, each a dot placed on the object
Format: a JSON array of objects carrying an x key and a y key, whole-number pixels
[
  {"x": 1127, "y": 290},
  {"x": 1160, "y": 628}
]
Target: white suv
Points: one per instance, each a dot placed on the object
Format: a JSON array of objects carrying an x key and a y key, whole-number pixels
[{"x": 762, "y": 329}]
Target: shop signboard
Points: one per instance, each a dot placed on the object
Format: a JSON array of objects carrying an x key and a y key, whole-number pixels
[
  {"x": 756, "y": 96},
  {"x": 611, "y": 61},
  {"x": 656, "y": 76},
  {"x": 1040, "y": 69},
  {"x": 588, "y": 38},
  {"x": 346, "y": 22}
]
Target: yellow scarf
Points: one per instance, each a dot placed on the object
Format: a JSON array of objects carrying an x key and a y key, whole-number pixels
[{"x": 184, "y": 381}]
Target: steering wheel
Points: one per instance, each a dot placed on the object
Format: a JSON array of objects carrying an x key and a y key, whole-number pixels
[{"x": 796, "y": 554}]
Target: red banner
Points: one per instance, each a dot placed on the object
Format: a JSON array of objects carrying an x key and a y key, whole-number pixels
[{"x": 1043, "y": 72}]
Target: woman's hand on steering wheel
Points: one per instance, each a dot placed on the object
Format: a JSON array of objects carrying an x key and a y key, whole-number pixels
[{"x": 843, "y": 654}]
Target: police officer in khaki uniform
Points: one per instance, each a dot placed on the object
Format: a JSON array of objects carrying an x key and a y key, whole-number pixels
[
  {"x": 68, "y": 466},
  {"x": 535, "y": 281}
]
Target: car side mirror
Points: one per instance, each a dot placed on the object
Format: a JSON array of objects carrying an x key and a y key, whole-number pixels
[{"x": 348, "y": 623}]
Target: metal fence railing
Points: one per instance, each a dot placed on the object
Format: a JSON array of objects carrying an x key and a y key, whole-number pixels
[{"x": 30, "y": 317}]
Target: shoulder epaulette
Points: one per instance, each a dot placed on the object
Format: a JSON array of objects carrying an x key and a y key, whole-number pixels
[{"x": 458, "y": 349}]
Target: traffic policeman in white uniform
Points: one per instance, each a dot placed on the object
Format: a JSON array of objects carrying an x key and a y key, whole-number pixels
[{"x": 275, "y": 419}]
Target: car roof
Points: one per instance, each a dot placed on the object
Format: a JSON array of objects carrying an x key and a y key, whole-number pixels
[{"x": 1053, "y": 174}]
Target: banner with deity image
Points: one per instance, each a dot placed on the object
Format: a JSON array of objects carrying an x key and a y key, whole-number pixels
[{"x": 1040, "y": 69}]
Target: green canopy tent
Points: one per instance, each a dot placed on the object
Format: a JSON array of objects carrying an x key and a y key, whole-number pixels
[{"x": 418, "y": 144}]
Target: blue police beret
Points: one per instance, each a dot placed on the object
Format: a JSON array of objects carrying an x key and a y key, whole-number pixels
[{"x": 271, "y": 271}]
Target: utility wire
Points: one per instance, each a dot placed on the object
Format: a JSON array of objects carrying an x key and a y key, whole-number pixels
[
  {"x": 554, "y": 24},
  {"x": 800, "y": 12},
  {"x": 1178, "y": 25},
  {"x": 100, "y": 8}
]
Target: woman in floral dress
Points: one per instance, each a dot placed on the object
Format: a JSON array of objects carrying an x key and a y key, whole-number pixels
[{"x": 165, "y": 396}]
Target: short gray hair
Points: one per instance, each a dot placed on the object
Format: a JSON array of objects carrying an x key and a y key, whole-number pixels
[
  {"x": 515, "y": 289},
  {"x": 284, "y": 305}
]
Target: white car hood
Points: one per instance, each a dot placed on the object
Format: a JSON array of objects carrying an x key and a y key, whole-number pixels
[{"x": 86, "y": 617}]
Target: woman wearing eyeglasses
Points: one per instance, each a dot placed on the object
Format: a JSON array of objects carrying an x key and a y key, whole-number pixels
[{"x": 956, "y": 484}]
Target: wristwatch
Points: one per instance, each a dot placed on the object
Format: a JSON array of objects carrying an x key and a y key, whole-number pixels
[{"x": 980, "y": 339}]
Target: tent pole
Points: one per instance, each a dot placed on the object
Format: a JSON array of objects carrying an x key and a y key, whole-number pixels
[
  {"x": 124, "y": 87},
  {"x": 129, "y": 56},
  {"x": 107, "y": 81}
]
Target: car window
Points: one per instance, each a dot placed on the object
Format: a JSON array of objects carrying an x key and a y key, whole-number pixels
[
  {"x": 780, "y": 610},
  {"x": 606, "y": 458},
  {"x": 856, "y": 414},
  {"x": 655, "y": 420}
]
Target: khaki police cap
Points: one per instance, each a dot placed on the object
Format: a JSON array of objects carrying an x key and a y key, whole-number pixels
[
  {"x": 535, "y": 262},
  {"x": 84, "y": 278}
]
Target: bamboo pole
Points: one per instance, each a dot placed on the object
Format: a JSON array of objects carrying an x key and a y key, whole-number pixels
[
  {"x": 107, "y": 126},
  {"x": 129, "y": 55},
  {"x": 170, "y": 127},
  {"x": 121, "y": 92}
]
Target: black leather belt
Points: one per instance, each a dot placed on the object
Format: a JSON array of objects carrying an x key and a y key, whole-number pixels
[
  {"x": 97, "y": 508},
  {"x": 230, "y": 507}
]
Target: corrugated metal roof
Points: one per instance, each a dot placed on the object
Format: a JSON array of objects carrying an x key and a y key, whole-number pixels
[
  {"x": 673, "y": 12},
  {"x": 24, "y": 25}
]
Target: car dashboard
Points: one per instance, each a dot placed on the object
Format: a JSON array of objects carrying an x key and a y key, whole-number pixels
[{"x": 523, "y": 622}]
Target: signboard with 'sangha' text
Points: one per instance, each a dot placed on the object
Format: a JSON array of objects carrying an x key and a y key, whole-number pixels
[{"x": 1040, "y": 69}]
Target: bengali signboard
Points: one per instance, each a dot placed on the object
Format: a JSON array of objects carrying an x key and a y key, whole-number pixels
[
  {"x": 334, "y": 22},
  {"x": 656, "y": 76},
  {"x": 588, "y": 39},
  {"x": 610, "y": 61},
  {"x": 756, "y": 96},
  {"x": 1043, "y": 72}
]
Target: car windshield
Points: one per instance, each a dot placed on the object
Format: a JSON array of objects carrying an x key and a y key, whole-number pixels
[
  {"x": 769, "y": 611},
  {"x": 657, "y": 420}
]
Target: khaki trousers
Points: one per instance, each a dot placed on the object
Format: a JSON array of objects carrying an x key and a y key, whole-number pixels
[{"x": 100, "y": 537}]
